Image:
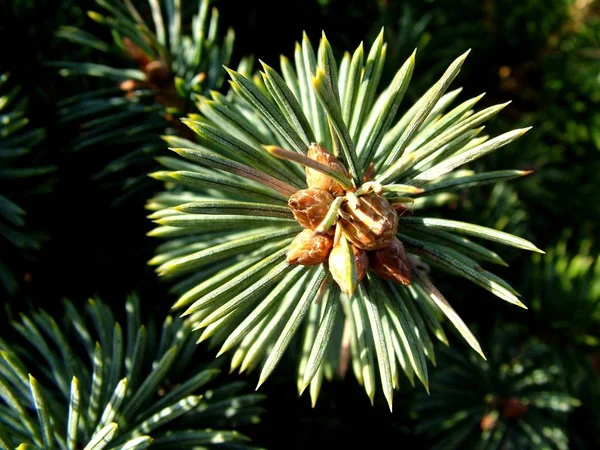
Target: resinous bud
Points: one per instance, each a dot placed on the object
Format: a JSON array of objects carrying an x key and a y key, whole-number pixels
[
  {"x": 310, "y": 206},
  {"x": 319, "y": 180},
  {"x": 370, "y": 223},
  {"x": 309, "y": 248},
  {"x": 391, "y": 262}
]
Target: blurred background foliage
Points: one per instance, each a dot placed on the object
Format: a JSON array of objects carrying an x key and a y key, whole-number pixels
[{"x": 544, "y": 56}]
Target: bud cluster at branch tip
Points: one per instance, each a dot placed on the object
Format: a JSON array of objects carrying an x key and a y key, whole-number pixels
[{"x": 365, "y": 226}]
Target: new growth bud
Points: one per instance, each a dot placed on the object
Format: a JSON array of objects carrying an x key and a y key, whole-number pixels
[
  {"x": 319, "y": 180},
  {"x": 371, "y": 223},
  {"x": 310, "y": 206},
  {"x": 391, "y": 262},
  {"x": 309, "y": 248}
]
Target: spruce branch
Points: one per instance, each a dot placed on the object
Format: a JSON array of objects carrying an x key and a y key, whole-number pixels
[
  {"x": 99, "y": 385},
  {"x": 364, "y": 165}
]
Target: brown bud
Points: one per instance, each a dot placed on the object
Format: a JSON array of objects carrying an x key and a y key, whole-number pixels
[
  {"x": 135, "y": 52},
  {"x": 309, "y": 248},
  {"x": 514, "y": 408},
  {"x": 362, "y": 262},
  {"x": 316, "y": 179},
  {"x": 348, "y": 265},
  {"x": 371, "y": 223},
  {"x": 310, "y": 206},
  {"x": 158, "y": 74},
  {"x": 391, "y": 262}
]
